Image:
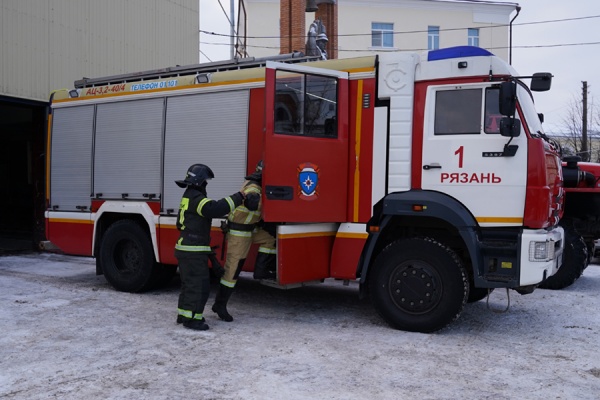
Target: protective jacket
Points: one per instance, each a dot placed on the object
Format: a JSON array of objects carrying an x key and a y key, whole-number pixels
[
  {"x": 243, "y": 219},
  {"x": 195, "y": 215}
]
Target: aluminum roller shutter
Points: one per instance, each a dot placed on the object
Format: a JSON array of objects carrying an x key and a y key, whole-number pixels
[
  {"x": 128, "y": 152},
  {"x": 211, "y": 129},
  {"x": 71, "y": 158}
]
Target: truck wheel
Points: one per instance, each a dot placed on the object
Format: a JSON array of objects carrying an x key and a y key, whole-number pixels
[
  {"x": 590, "y": 254},
  {"x": 127, "y": 257},
  {"x": 574, "y": 262},
  {"x": 418, "y": 285}
]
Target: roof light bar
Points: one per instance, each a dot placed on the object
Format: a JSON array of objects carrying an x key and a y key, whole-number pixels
[{"x": 457, "y": 52}]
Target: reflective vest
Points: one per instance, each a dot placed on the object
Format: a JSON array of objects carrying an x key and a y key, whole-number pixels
[{"x": 241, "y": 219}]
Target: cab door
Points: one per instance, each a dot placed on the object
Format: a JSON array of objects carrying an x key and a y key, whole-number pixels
[
  {"x": 305, "y": 176},
  {"x": 465, "y": 156}
]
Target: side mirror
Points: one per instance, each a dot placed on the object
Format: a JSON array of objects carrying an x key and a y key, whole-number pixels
[
  {"x": 510, "y": 127},
  {"x": 541, "y": 82},
  {"x": 508, "y": 98}
]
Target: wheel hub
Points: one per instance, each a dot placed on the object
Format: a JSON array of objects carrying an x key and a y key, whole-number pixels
[
  {"x": 414, "y": 287},
  {"x": 129, "y": 257}
]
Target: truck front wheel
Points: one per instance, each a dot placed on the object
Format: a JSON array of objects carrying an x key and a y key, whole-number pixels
[
  {"x": 418, "y": 285},
  {"x": 127, "y": 257}
]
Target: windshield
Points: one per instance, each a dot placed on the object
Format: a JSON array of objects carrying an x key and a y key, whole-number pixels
[{"x": 531, "y": 116}]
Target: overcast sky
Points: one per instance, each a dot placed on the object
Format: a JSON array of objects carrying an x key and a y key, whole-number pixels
[{"x": 544, "y": 40}]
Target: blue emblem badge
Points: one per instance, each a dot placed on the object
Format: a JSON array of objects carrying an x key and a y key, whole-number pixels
[{"x": 308, "y": 181}]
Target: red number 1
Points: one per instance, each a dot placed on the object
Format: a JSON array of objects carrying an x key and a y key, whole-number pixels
[{"x": 460, "y": 156}]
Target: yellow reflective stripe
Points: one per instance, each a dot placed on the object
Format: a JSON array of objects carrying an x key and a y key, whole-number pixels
[
  {"x": 266, "y": 250},
  {"x": 198, "y": 316},
  {"x": 185, "y": 313},
  {"x": 240, "y": 233},
  {"x": 358, "y": 125},
  {"x": 231, "y": 203},
  {"x": 184, "y": 247},
  {"x": 504, "y": 220},
  {"x": 183, "y": 206},
  {"x": 253, "y": 216},
  {"x": 201, "y": 204},
  {"x": 252, "y": 190},
  {"x": 227, "y": 283}
]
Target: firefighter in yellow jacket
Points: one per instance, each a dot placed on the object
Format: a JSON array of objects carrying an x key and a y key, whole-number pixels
[
  {"x": 243, "y": 230},
  {"x": 192, "y": 250}
]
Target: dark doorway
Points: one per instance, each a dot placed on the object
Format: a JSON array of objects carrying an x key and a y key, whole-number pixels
[{"x": 22, "y": 173}]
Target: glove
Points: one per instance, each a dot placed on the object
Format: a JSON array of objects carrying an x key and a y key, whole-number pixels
[
  {"x": 238, "y": 198},
  {"x": 252, "y": 201}
]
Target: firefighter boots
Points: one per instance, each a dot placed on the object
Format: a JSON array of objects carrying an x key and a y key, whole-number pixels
[
  {"x": 195, "y": 324},
  {"x": 264, "y": 268},
  {"x": 220, "y": 306}
]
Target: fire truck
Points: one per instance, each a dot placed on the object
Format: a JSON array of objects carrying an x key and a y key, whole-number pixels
[
  {"x": 580, "y": 220},
  {"x": 425, "y": 177}
]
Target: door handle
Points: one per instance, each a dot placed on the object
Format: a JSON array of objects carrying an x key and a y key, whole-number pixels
[
  {"x": 279, "y": 192},
  {"x": 431, "y": 166}
]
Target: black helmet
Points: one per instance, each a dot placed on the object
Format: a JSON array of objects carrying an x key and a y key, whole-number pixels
[
  {"x": 257, "y": 174},
  {"x": 196, "y": 175}
]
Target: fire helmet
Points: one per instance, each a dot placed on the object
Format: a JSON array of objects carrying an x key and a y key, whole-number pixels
[
  {"x": 257, "y": 174},
  {"x": 196, "y": 175}
]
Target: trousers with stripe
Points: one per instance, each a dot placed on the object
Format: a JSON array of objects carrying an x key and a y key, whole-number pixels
[
  {"x": 195, "y": 283},
  {"x": 238, "y": 246}
]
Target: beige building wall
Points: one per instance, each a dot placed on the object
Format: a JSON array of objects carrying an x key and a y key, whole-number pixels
[
  {"x": 48, "y": 44},
  {"x": 263, "y": 23},
  {"x": 411, "y": 17}
]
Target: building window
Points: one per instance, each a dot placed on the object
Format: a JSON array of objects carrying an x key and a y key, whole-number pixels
[
  {"x": 473, "y": 36},
  {"x": 382, "y": 34},
  {"x": 433, "y": 37}
]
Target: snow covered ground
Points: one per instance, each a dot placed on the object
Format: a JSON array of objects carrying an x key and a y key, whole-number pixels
[{"x": 66, "y": 334}]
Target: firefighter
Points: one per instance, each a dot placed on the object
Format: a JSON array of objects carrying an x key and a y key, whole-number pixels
[
  {"x": 243, "y": 229},
  {"x": 194, "y": 219}
]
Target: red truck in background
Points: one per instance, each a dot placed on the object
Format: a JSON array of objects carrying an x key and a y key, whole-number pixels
[{"x": 581, "y": 220}]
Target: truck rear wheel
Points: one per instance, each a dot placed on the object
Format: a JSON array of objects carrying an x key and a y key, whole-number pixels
[
  {"x": 418, "y": 285},
  {"x": 574, "y": 261},
  {"x": 127, "y": 257}
]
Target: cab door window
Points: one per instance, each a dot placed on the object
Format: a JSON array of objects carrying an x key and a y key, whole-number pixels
[
  {"x": 458, "y": 112},
  {"x": 492, "y": 111},
  {"x": 306, "y": 105}
]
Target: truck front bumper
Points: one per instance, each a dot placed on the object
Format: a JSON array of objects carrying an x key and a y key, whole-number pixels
[{"x": 541, "y": 255}]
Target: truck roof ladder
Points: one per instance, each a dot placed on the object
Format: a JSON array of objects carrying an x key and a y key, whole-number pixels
[{"x": 169, "y": 72}]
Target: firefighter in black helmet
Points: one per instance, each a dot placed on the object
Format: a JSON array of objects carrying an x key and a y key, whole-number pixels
[
  {"x": 193, "y": 246},
  {"x": 243, "y": 230}
]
